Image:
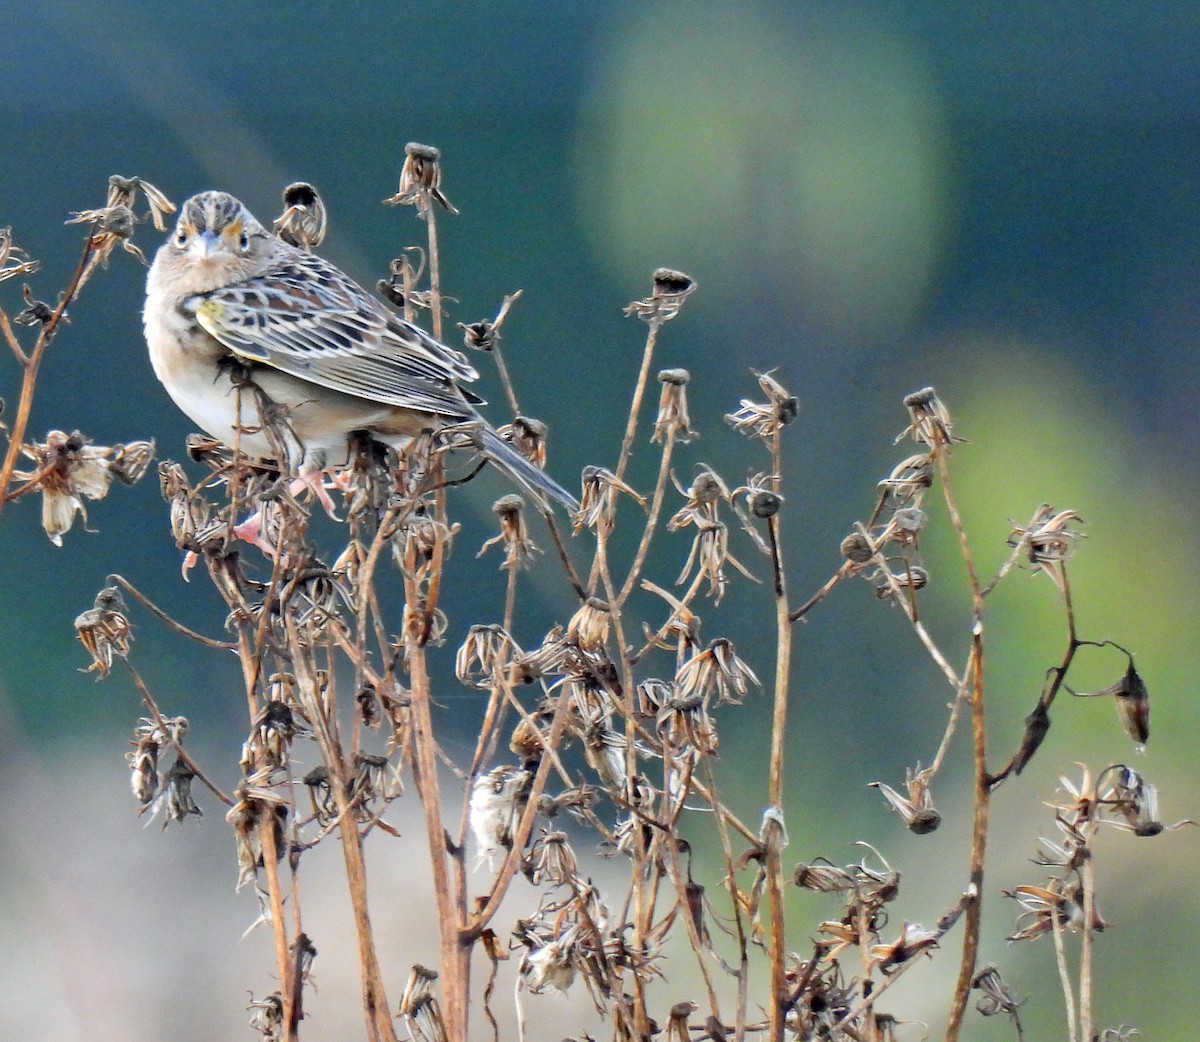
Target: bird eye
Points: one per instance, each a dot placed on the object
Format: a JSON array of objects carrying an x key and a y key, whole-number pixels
[
  {"x": 244, "y": 242},
  {"x": 181, "y": 238}
]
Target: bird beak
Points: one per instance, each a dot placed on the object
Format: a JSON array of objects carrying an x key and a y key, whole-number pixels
[{"x": 207, "y": 244}]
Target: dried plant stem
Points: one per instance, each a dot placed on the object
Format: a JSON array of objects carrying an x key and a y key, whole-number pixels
[
  {"x": 32, "y": 364},
  {"x": 639, "y": 392},
  {"x": 429, "y": 212},
  {"x": 283, "y": 949},
  {"x": 165, "y": 619},
  {"x": 1087, "y": 878},
  {"x": 455, "y": 955},
  {"x": 376, "y": 1011},
  {"x": 982, "y": 780},
  {"x": 783, "y": 664},
  {"x": 660, "y": 488},
  {"x": 1064, "y": 976}
]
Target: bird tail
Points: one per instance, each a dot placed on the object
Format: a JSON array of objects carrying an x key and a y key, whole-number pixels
[{"x": 532, "y": 479}]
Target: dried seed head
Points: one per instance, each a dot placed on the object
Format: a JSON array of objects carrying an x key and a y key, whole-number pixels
[
  {"x": 421, "y": 179},
  {"x": 589, "y": 626},
  {"x": 996, "y": 996},
  {"x": 104, "y": 630},
  {"x": 929, "y": 420},
  {"x": 673, "y": 420},
  {"x": 528, "y": 435},
  {"x": 519, "y": 549},
  {"x": 304, "y": 220},
  {"x": 857, "y": 548},
  {"x": 917, "y": 807},
  {"x": 598, "y": 501},
  {"x": 671, "y": 289},
  {"x": 765, "y": 419},
  {"x": 1133, "y": 703}
]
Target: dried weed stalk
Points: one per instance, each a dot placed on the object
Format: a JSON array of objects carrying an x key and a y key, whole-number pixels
[{"x": 606, "y": 733}]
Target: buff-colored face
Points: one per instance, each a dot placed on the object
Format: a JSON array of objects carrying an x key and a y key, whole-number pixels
[{"x": 216, "y": 232}]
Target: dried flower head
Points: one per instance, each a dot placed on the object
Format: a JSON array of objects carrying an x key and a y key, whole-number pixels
[
  {"x": 598, "y": 502},
  {"x": 671, "y": 289},
  {"x": 69, "y": 469},
  {"x": 420, "y": 180},
  {"x": 304, "y": 220},
  {"x": 528, "y": 435},
  {"x": 484, "y": 654},
  {"x": 929, "y": 420},
  {"x": 996, "y": 997},
  {"x": 266, "y": 1016},
  {"x": 673, "y": 420},
  {"x": 149, "y": 739},
  {"x": 1048, "y": 541},
  {"x": 718, "y": 671},
  {"x": 104, "y": 630},
  {"x": 916, "y": 808},
  {"x": 175, "y": 801},
  {"x": 766, "y": 419},
  {"x": 1132, "y": 700},
  {"x": 589, "y": 626},
  {"x": 14, "y": 261},
  {"x": 519, "y": 549},
  {"x": 111, "y": 226},
  {"x": 123, "y": 191}
]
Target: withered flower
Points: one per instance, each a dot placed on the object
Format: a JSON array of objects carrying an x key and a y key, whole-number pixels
[
  {"x": 69, "y": 469},
  {"x": 914, "y": 940},
  {"x": 419, "y": 1006},
  {"x": 486, "y": 650},
  {"x": 929, "y": 420},
  {"x": 528, "y": 436},
  {"x": 912, "y": 579},
  {"x": 270, "y": 741},
  {"x": 598, "y": 501},
  {"x": 552, "y": 861},
  {"x": 259, "y": 806},
  {"x": 589, "y": 625},
  {"x": 765, "y": 419},
  {"x": 673, "y": 420},
  {"x": 519, "y": 549},
  {"x": 104, "y": 630},
  {"x": 906, "y": 483},
  {"x": 996, "y": 996},
  {"x": 551, "y": 961},
  {"x": 684, "y": 723},
  {"x": 266, "y": 1016},
  {"x": 917, "y": 808},
  {"x": 320, "y": 793},
  {"x": 14, "y": 261},
  {"x": 420, "y": 180},
  {"x": 304, "y": 220},
  {"x": 677, "y": 1022},
  {"x": 1133, "y": 703},
  {"x": 149, "y": 739},
  {"x": 175, "y": 800},
  {"x": 497, "y": 801},
  {"x": 716, "y": 670},
  {"x": 857, "y": 548},
  {"x": 823, "y": 877},
  {"x": 1048, "y": 541},
  {"x": 671, "y": 289},
  {"x": 374, "y": 779},
  {"x": 703, "y": 496},
  {"x": 1123, "y": 791},
  {"x": 122, "y": 191},
  {"x": 709, "y": 554},
  {"x": 110, "y": 225}
]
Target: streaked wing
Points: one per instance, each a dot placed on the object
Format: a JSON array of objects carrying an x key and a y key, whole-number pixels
[{"x": 306, "y": 318}]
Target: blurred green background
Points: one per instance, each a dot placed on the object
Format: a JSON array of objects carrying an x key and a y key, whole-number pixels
[{"x": 1000, "y": 200}]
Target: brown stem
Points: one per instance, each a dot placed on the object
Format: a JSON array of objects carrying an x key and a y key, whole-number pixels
[
  {"x": 16, "y": 435},
  {"x": 638, "y": 393}
]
